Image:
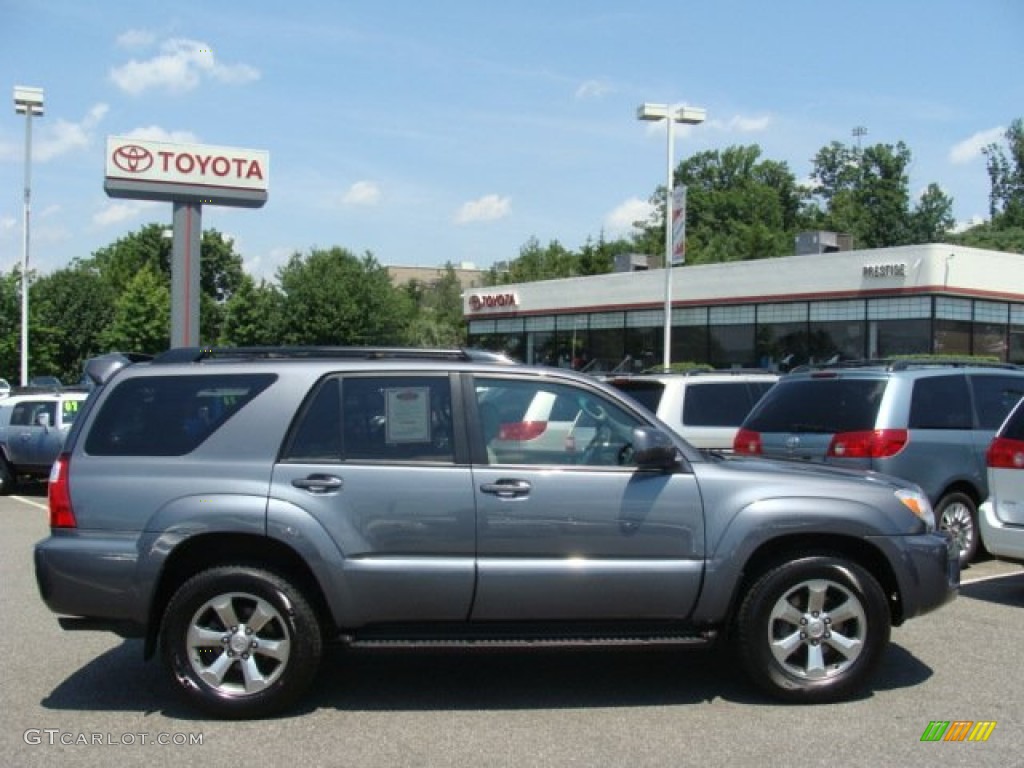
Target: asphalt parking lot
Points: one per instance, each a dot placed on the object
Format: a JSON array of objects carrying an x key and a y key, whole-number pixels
[{"x": 89, "y": 699}]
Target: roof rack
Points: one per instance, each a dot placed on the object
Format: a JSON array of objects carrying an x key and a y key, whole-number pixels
[
  {"x": 198, "y": 354},
  {"x": 906, "y": 363}
]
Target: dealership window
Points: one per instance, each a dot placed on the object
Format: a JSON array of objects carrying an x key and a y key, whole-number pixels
[
  {"x": 952, "y": 326},
  {"x": 899, "y": 326},
  {"x": 690, "y": 335},
  {"x": 731, "y": 337},
  {"x": 989, "y": 333},
  {"x": 782, "y": 335},
  {"x": 1016, "y": 341},
  {"x": 607, "y": 340},
  {"x": 837, "y": 328}
]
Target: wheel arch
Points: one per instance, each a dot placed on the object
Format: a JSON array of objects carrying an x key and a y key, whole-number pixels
[
  {"x": 774, "y": 552},
  {"x": 201, "y": 552}
]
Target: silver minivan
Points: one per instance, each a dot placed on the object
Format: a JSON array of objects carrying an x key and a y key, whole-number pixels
[{"x": 927, "y": 421}]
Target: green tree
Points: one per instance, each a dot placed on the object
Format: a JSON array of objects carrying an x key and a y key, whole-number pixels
[
  {"x": 252, "y": 316},
  {"x": 932, "y": 218},
  {"x": 141, "y": 321},
  {"x": 70, "y": 309},
  {"x": 738, "y": 207},
  {"x": 1006, "y": 173},
  {"x": 437, "y": 320},
  {"x": 220, "y": 269},
  {"x": 334, "y": 297},
  {"x": 537, "y": 262},
  {"x": 10, "y": 326}
]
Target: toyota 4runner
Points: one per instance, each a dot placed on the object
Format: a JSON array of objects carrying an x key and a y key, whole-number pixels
[{"x": 240, "y": 509}]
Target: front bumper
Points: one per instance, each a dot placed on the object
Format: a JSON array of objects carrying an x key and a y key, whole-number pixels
[{"x": 927, "y": 569}]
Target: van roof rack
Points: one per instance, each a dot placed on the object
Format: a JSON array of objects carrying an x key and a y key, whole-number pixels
[
  {"x": 906, "y": 363},
  {"x": 198, "y": 354}
]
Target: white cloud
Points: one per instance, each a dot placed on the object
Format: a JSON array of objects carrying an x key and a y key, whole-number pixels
[
  {"x": 7, "y": 224},
  {"x": 61, "y": 137},
  {"x": 156, "y": 133},
  {"x": 180, "y": 66},
  {"x": 621, "y": 220},
  {"x": 362, "y": 193},
  {"x": 135, "y": 38},
  {"x": 970, "y": 148},
  {"x": 974, "y": 221},
  {"x": 743, "y": 124},
  {"x": 487, "y": 208},
  {"x": 117, "y": 212},
  {"x": 593, "y": 89}
]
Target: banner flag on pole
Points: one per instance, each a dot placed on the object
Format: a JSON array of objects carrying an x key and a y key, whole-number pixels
[{"x": 679, "y": 224}]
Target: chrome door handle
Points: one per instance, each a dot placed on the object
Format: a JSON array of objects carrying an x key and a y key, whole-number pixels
[
  {"x": 319, "y": 483},
  {"x": 507, "y": 488}
]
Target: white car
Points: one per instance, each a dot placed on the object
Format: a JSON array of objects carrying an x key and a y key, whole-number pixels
[
  {"x": 5, "y": 388},
  {"x": 1002, "y": 514},
  {"x": 705, "y": 407}
]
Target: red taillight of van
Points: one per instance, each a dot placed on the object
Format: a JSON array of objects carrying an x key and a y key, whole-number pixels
[
  {"x": 868, "y": 444},
  {"x": 747, "y": 442},
  {"x": 522, "y": 430},
  {"x": 59, "y": 494},
  {"x": 1004, "y": 453}
]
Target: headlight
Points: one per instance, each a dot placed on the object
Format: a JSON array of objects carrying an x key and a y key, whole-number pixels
[{"x": 917, "y": 503}]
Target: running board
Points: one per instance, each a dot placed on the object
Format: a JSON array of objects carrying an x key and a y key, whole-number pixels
[{"x": 484, "y": 642}]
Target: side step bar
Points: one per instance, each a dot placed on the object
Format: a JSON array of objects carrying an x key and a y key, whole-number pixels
[{"x": 486, "y": 642}]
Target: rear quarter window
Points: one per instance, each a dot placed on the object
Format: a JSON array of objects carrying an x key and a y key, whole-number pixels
[
  {"x": 647, "y": 393},
  {"x": 718, "y": 404},
  {"x": 994, "y": 396},
  {"x": 941, "y": 402},
  {"x": 169, "y": 415}
]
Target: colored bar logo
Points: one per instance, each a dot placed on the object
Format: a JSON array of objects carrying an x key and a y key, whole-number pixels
[{"x": 958, "y": 730}]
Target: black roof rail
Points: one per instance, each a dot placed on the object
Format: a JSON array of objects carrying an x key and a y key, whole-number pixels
[
  {"x": 198, "y": 354},
  {"x": 906, "y": 363}
]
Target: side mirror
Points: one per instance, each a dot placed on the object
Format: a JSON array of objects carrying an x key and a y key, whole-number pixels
[{"x": 654, "y": 450}]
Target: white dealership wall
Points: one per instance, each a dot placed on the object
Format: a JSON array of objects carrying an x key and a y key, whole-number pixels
[{"x": 907, "y": 270}]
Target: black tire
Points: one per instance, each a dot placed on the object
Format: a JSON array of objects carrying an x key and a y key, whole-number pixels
[
  {"x": 813, "y": 630},
  {"x": 208, "y": 634},
  {"x": 957, "y": 514},
  {"x": 7, "y": 480}
]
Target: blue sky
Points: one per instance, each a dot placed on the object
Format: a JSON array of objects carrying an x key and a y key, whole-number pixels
[{"x": 455, "y": 131}]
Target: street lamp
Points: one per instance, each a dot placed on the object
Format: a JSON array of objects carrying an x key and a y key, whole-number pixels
[
  {"x": 27, "y": 102},
  {"x": 670, "y": 114}
]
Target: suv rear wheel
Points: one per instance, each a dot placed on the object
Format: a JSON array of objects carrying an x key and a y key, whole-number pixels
[
  {"x": 6, "y": 477},
  {"x": 240, "y": 642},
  {"x": 812, "y": 630},
  {"x": 957, "y": 514}
]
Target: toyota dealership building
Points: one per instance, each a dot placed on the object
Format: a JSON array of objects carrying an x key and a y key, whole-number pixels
[{"x": 773, "y": 313}]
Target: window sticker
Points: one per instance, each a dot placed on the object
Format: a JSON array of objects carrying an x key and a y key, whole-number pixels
[{"x": 408, "y": 415}]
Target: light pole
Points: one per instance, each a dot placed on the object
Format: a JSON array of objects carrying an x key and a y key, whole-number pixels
[
  {"x": 27, "y": 102},
  {"x": 670, "y": 114}
]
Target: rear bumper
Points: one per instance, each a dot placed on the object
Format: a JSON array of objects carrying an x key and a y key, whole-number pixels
[
  {"x": 1001, "y": 539},
  {"x": 928, "y": 571},
  {"x": 94, "y": 577}
]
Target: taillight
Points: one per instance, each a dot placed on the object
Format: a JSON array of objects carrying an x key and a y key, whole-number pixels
[
  {"x": 522, "y": 430},
  {"x": 1004, "y": 453},
  {"x": 59, "y": 494},
  {"x": 868, "y": 444},
  {"x": 747, "y": 441}
]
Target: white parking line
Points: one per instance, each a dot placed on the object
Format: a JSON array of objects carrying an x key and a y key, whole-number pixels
[
  {"x": 980, "y": 579},
  {"x": 31, "y": 503}
]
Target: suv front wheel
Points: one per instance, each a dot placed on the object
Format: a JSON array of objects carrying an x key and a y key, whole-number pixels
[
  {"x": 240, "y": 642},
  {"x": 812, "y": 630},
  {"x": 957, "y": 514}
]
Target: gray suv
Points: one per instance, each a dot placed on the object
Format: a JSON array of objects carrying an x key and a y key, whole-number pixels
[
  {"x": 240, "y": 509},
  {"x": 928, "y": 421}
]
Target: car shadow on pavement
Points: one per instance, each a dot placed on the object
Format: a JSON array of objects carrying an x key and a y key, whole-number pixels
[
  {"x": 351, "y": 680},
  {"x": 1005, "y": 590}
]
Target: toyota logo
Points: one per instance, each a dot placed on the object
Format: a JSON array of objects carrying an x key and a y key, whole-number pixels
[{"x": 132, "y": 158}]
